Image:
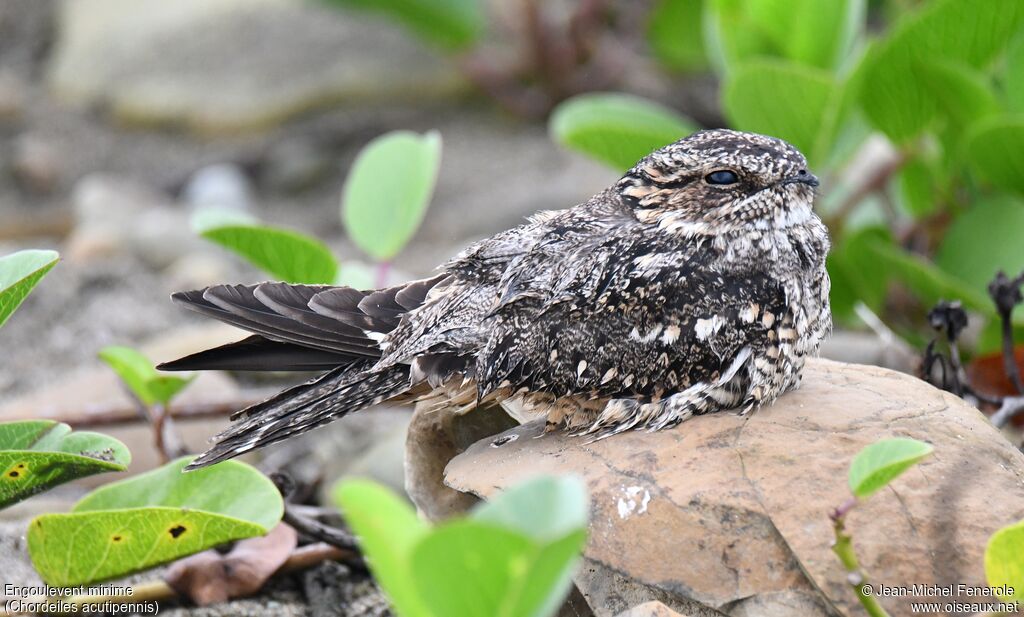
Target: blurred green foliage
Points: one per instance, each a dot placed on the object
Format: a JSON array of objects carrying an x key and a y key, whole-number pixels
[
  {"x": 512, "y": 556},
  {"x": 388, "y": 189},
  {"x": 451, "y": 24},
  {"x": 616, "y": 129},
  {"x": 1004, "y": 561},
  {"x": 137, "y": 373}
]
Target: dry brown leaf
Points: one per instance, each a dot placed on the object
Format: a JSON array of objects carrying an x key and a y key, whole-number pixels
[{"x": 209, "y": 577}]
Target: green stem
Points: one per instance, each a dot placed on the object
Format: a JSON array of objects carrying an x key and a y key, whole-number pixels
[{"x": 843, "y": 548}]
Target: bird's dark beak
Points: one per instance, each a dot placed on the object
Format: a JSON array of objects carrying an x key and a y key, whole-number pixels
[{"x": 802, "y": 177}]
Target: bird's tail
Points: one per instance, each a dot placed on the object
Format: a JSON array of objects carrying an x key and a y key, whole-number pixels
[{"x": 304, "y": 407}]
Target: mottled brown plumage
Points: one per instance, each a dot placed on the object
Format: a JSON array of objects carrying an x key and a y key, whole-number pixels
[{"x": 696, "y": 283}]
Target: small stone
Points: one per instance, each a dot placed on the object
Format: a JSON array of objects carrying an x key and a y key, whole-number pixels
[
  {"x": 161, "y": 235},
  {"x": 36, "y": 163},
  {"x": 101, "y": 198},
  {"x": 223, "y": 186},
  {"x": 651, "y": 609}
]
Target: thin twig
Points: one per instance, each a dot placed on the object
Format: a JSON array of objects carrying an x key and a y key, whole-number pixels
[
  {"x": 169, "y": 443},
  {"x": 873, "y": 183},
  {"x": 305, "y": 524},
  {"x": 1012, "y": 407},
  {"x": 112, "y": 415},
  {"x": 315, "y": 529},
  {"x": 1006, "y": 294},
  {"x": 843, "y": 548}
]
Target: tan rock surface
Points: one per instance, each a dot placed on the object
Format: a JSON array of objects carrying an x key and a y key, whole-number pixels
[
  {"x": 731, "y": 512},
  {"x": 650, "y": 609}
]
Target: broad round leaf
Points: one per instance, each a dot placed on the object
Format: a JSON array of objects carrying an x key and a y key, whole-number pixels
[
  {"x": 995, "y": 151},
  {"x": 857, "y": 276},
  {"x": 1004, "y": 561},
  {"x": 137, "y": 372},
  {"x": 786, "y": 100},
  {"x": 675, "y": 34},
  {"x": 453, "y": 24},
  {"x": 387, "y": 529},
  {"x": 388, "y": 190},
  {"x": 895, "y": 96},
  {"x": 284, "y": 254},
  {"x": 151, "y": 519},
  {"x": 474, "y": 568},
  {"x": 544, "y": 508},
  {"x": 881, "y": 462},
  {"x": 1013, "y": 78},
  {"x": 616, "y": 129},
  {"x": 917, "y": 192},
  {"x": 926, "y": 280},
  {"x": 36, "y": 455},
  {"x": 19, "y": 273},
  {"x": 984, "y": 239},
  {"x": 963, "y": 94},
  {"x": 809, "y": 32}
]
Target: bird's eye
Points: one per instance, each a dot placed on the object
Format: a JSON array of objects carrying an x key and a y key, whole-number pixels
[{"x": 722, "y": 176}]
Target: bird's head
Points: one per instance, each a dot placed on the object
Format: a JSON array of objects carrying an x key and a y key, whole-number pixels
[{"x": 718, "y": 180}]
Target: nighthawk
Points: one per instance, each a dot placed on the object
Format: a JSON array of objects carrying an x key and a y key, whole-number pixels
[{"x": 694, "y": 284}]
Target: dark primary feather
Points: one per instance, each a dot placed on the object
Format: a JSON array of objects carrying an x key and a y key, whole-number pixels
[
  {"x": 258, "y": 354},
  {"x": 662, "y": 297}
]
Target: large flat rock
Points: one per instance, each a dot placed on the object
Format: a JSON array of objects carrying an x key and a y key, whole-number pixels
[
  {"x": 728, "y": 513},
  {"x": 227, "y": 65}
]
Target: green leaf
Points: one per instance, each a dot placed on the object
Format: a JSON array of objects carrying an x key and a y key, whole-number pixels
[
  {"x": 387, "y": 529},
  {"x": 616, "y": 129},
  {"x": 1013, "y": 76},
  {"x": 675, "y": 34},
  {"x": 895, "y": 96},
  {"x": 984, "y": 239},
  {"x": 995, "y": 151},
  {"x": 19, "y": 273},
  {"x": 151, "y": 519},
  {"x": 916, "y": 189},
  {"x": 474, "y": 568},
  {"x": 857, "y": 276},
  {"x": 926, "y": 280},
  {"x": 881, "y": 462},
  {"x": 284, "y": 254},
  {"x": 137, "y": 372},
  {"x": 451, "y": 24},
  {"x": 553, "y": 512},
  {"x": 544, "y": 508},
  {"x": 36, "y": 455},
  {"x": 1004, "y": 561},
  {"x": 809, "y": 32},
  {"x": 961, "y": 93},
  {"x": 388, "y": 190},
  {"x": 786, "y": 100}
]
